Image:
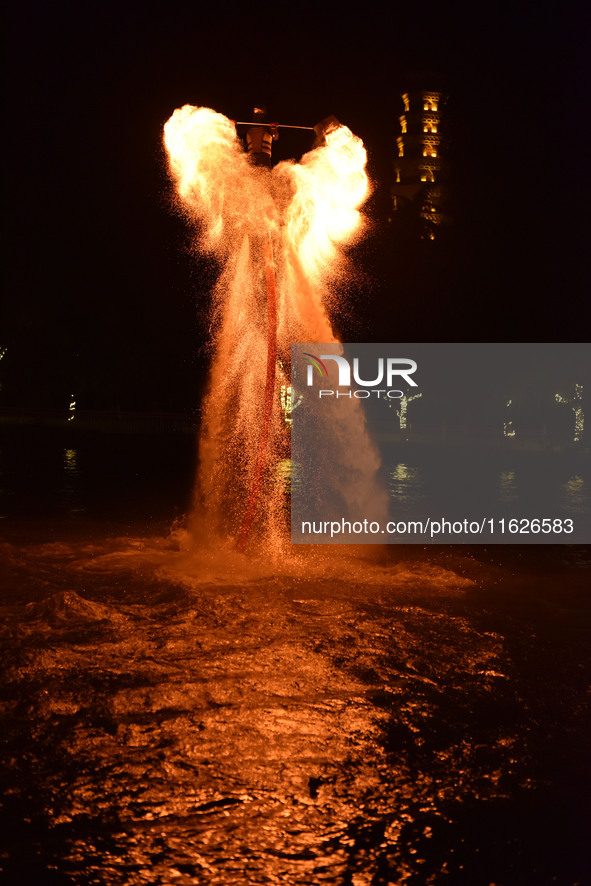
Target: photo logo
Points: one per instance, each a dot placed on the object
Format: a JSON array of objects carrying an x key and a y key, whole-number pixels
[
  {"x": 315, "y": 363},
  {"x": 387, "y": 370}
]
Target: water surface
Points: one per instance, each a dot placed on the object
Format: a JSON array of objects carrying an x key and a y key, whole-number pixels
[{"x": 190, "y": 716}]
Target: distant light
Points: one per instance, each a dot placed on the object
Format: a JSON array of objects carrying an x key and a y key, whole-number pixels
[
  {"x": 287, "y": 402},
  {"x": 403, "y": 404},
  {"x": 508, "y": 429},
  {"x": 70, "y": 463},
  {"x": 577, "y": 409}
]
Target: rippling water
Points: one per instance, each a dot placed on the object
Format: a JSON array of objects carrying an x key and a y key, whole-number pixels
[{"x": 393, "y": 716}]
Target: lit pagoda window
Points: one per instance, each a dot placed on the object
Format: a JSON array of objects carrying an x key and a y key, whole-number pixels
[
  {"x": 403, "y": 125},
  {"x": 427, "y": 174},
  {"x": 430, "y": 146},
  {"x": 406, "y": 102},
  {"x": 430, "y": 101},
  {"x": 400, "y": 144},
  {"x": 430, "y": 124}
]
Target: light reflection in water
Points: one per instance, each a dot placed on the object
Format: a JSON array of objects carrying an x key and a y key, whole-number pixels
[
  {"x": 507, "y": 486},
  {"x": 283, "y": 469},
  {"x": 351, "y": 726},
  {"x": 70, "y": 489},
  {"x": 263, "y": 732},
  {"x": 70, "y": 462},
  {"x": 406, "y": 483},
  {"x": 288, "y": 472},
  {"x": 575, "y": 494}
]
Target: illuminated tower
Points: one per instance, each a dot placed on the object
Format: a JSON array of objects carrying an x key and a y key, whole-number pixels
[{"x": 419, "y": 169}]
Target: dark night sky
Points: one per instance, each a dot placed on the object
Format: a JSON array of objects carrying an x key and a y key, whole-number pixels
[{"x": 102, "y": 290}]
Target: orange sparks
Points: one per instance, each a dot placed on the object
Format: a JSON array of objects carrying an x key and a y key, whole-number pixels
[{"x": 293, "y": 218}]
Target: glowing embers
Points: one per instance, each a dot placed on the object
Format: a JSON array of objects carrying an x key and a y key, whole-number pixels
[
  {"x": 278, "y": 233},
  {"x": 203, "y": 151},
  {"x": 330, "y": 185}
]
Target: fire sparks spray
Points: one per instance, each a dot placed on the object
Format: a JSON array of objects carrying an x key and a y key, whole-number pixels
[{"x": 276, "y": 233}]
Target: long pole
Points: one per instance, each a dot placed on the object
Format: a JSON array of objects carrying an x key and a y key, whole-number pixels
[
  {"x": 261, "y": 457},
  {"x": 279, "y": 125}
]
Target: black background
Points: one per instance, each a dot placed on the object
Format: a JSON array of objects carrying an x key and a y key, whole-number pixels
[{"x": 105, "y": 297}]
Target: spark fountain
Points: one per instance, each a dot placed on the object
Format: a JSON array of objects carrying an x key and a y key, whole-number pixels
[{"x": 278, "y": 234}]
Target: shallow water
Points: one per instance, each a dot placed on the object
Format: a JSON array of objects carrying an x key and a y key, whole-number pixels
[
  {"x": 191, "y": 716},
  {"x": 373, "y": 722}
]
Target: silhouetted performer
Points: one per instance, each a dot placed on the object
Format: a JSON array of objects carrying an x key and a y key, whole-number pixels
[{"x": 259, "y": 138}]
